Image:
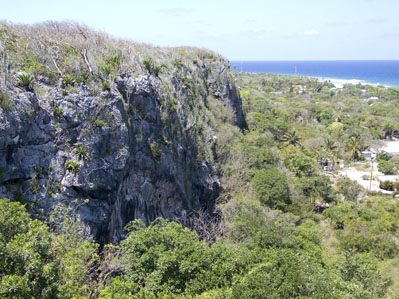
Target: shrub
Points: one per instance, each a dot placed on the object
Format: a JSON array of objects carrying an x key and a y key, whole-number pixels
[
  {"x": 27, "y": 269},
  {"x": 389, "y": 167},
  {"x": 67, "y": 79},
  {"x": 355, "y": 241},
  {"x": 383, "y": 157},
  {"x": 318, "y": 187},
  {"x": 366, "y": 177},
  {"x": 249, "y": 222},
  {"x": 72, "y": 166},
  {"x": 285, "y": 274},
  {"x": 82, "y": 78},
  {"x": 166, "y": 257},
  {"x": 155, "y": 151},
  {"x": 82, "y": 151},
  {"x": 105, "y": 86},
  {"x": 271, "y": 187},
  {"x": 387, "y": 185},
  {"x": 151, "y": 67},
  {"x": 100, "y": 123},
  {"x": 5, "y": 101},
  {"x": 25, "y": 80},
  {"x": 351, "y": 190},
  {"x": 57, "y": 111}
]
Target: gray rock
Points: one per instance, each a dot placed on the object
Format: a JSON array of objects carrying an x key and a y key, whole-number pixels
[{"x": 136, "y": 148}]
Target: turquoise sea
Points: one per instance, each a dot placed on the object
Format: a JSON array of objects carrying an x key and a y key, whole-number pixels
[{"x": 383, "y": 72}]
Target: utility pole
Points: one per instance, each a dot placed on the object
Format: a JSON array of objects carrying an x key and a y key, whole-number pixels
[{"x": 371, "y": 176}]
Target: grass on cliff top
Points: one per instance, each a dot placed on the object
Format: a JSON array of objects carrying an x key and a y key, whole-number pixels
[{"x": 77, "y": 53}]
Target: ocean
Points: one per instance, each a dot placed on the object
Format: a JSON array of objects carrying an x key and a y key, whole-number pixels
[{"x": 375, "y": 72}]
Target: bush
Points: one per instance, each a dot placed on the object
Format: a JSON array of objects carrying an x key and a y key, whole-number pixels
[
  {"x": 351, "y": 190},
  {"x": 151, "y": 67},
  {"x": 105, "y": 86},
  {"x": 67, "y": 79},
  {"x": 366, "y": 177},
  {"x": 82, "y": 151},
  {"x": 390, "y": 167},
  {"x": 387, "y": 185},
  {"x": 57, "y": 111},
  {"x": 301, "y": 164},
  {"x": 383, "y": 157},
  {"x": 285, "y": 274},
  {"x": 318, "y": 187},
  {"x": 82, "y": 78},
  {"x": 5, "y": 101},
  {"x": 27, "y": 268},
  {"x": 165, "y": 257},
  {"x": 100, "y": 123},
  {"x": 271, "y": 187},
  {"x": 72, "y": 166},
  {"x": 25, "y": 80},
  {"x": 356, "y": 241},
  {"x": 255, "y": 226}
]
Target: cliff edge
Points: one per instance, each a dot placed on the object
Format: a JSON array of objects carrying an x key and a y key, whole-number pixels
[{"x": 117, "y": 129}]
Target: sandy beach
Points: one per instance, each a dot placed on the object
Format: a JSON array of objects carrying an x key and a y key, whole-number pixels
[{"x": 339, "y": 83}]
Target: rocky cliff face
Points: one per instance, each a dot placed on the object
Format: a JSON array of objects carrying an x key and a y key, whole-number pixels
[{"x": 142, "y": 149}]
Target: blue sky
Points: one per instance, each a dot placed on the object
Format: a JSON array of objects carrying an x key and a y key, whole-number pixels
[{"x": 239, "y": 30}]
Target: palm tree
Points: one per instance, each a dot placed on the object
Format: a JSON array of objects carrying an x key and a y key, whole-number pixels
[
  {"x": 330, "y": 149},
  {"x": 291, "y": 138},
  {"x": 354, "y": 146},
  {"x": 329, "y": 145}
]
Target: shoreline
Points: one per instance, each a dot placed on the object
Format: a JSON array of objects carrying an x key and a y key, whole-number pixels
[{"x": 339, "y": 83}]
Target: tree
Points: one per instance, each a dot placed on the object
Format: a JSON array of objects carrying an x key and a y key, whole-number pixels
[
  {"x": 271, "y": 187},
  {"x": 291, "y": 138},
  {"x": 336, "y": 129},
  {"x": 318, "y": 187},
  {"x": 354, "y": 147},
  {"x": 36, "y": 262},
  {"x": 389, "y": 167},
  {"x": 351, "y": 190},
  {"x": 301, "y": 164},
  {"x": 285, "y": 273},
  {"x": 330, "y": 147},
  {"x": 27, "y": 266},
  {"x": 165, "y": 257},
  {"x": 388, "y": 127}
]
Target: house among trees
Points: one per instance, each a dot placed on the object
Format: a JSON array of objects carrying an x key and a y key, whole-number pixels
[
  {"x": 369, "y": 154},
  {"x": 329, "y": 165}
]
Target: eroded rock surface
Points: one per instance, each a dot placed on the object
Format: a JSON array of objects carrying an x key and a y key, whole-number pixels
[{"x": 131, "y": 152}]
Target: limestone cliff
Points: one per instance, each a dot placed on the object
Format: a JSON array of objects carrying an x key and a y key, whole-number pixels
[{"x": 143, "y": 147}]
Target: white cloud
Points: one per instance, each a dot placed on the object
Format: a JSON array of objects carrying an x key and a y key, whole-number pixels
[{"x": 312, "y": 32}]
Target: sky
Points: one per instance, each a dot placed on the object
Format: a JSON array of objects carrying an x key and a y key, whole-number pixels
[{"x": 239, "y": 30}]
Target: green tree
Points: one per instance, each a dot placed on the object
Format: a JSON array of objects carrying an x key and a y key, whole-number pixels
[
  {"x": 76, "y": 254},
  {"x": 351, "y": 190},
  {"x": 271, "y": 187},
  {"x": 27, "y": 266},
  {"x": 36, "y": 262},
  {"x": 318, "y": 186},
  {"x": 389, "y": 167},
  {"x": 354, "y": 147},
  {"x": 291, "y": 138},
  {"x": 253, "y": 225},
  {"x": 165, "y": 257},
  {"x": 285, "y": 273},
  {"x": 388, "y": 128},
  {"x": 301, "y": 164}
]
